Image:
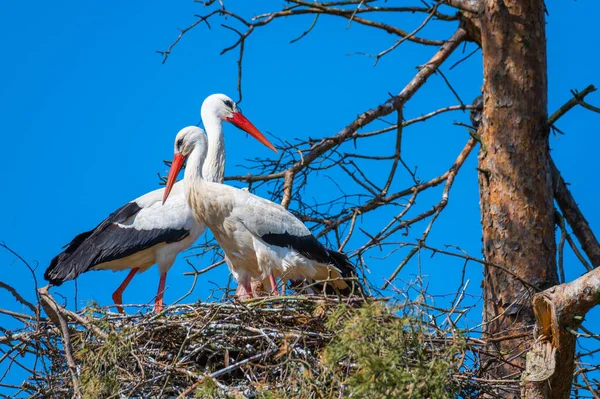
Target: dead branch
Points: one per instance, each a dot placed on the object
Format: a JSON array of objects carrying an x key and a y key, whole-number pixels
[
  {"x": 449, "y": 177},
  {"x": 18, "y": 297},
  {"x": 559, "y": 311},
  {"x": 55, "y": 313},
  {"x": 574, "y": 216},
  {"x": 578, "y": 99}
]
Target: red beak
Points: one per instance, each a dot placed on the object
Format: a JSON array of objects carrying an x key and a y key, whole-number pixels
[
  {"x": 241, "y": 122},
  {"x": 173, "y": 172}
]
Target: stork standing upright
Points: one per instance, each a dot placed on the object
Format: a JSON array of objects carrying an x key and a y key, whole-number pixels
[
  {"x": 143, "y": 232},
  {"x": 260, "y": 238}
]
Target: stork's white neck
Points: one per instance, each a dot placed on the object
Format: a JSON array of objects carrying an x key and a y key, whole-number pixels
[
  {"x": 214, "y": 165},
  {"x": 193, "y": 173}
]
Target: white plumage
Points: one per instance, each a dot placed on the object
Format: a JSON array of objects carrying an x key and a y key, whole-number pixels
[
  {"x": 144, "y": 232},
  {"x": 173, "y": 225},
  {"x": 260, "y": 238}
]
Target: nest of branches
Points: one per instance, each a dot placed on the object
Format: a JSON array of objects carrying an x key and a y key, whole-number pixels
[{"x": 294, "y": 346}]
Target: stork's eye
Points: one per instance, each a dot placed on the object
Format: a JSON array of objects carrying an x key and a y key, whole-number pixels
[
  {"x": 179, "y": 144},
  {"x": 228, "y": 103}
]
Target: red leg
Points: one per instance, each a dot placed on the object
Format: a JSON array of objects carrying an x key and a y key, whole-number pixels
[
  {"x": 248, "y": 288},
  {"x": 158, "y": 305},
  {"x": 273, "y": 284},
  {"x": 117, "y": 296}
]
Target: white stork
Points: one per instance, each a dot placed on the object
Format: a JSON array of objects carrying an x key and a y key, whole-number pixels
[
  {"x": 261, "y": 239},
  {"x": 142, "y": 232}
]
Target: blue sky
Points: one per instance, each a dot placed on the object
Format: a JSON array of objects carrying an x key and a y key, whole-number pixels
[{"x": 89, "y": 113}]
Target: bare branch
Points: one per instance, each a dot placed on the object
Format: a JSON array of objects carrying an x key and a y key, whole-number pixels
[
  {"x": 571, "y": 211},
  {"x": 55, "y": 314},
  {"x": 577, "y": 99},
  {"x": 390, "y": 105},
  {"x": 558, "y": 310},
  {"x": 18, "y": 297},
  {"x": 450, "y": 175},
  {"x": 201, "y": 19}
]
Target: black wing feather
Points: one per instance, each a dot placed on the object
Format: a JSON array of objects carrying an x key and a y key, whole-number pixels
[
  {"x": 105, "y": 243},
  {"x": 307, "y": 245},
  {"x": 310, "y": 247}
]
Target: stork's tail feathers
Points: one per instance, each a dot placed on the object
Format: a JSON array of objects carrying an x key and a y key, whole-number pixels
[
  {"x": 338, "y": 277},
  {"x": 348, "y": 283}
]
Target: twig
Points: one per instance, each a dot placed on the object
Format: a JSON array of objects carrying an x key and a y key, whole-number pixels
[
  {"x": 205, "y": 18},
  {"x": 18, "y": 297}
]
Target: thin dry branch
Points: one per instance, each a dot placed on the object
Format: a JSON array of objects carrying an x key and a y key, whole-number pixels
[
  {"x": 351, "y": 15},
  {"x": 28, "y": 266},
  {"x": 166, "y": 53},
  {"x": 411, "y": 34},
  {"x": 578, "y": 99},
  {"x": 18, "y": 297},
  {"x": 449, "y": 178},
  {"x": 574, "y": 216}
]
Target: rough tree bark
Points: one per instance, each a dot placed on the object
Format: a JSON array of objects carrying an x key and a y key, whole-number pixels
[{"x": 515, "y": 182}]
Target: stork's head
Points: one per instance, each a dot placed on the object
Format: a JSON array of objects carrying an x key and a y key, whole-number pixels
[
  {"x": 186, "y": 140},
  {"x": 219, "y": 107}
]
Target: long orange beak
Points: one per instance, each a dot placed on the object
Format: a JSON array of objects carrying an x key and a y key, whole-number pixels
[
  {"x": 176, "y": 165},
  {"x": 241, "y": 122}
]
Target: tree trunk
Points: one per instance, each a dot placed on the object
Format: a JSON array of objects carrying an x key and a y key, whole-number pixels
[{"x": 516, "y": 196}]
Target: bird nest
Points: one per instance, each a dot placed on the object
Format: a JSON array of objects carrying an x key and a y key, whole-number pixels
[{"x": 294, "y": 346}]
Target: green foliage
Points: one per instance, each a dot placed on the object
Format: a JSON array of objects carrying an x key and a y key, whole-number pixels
[
  {"x": 207, "y": 389},
  {"x": 266, "y": 394},
  {"x": 99, "y": 374},
  {"x": 377, "y": 354}
]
